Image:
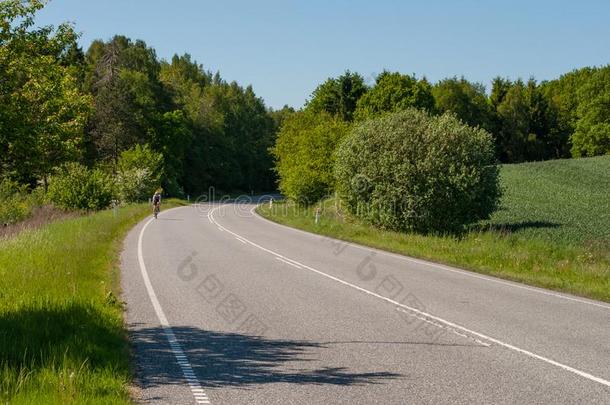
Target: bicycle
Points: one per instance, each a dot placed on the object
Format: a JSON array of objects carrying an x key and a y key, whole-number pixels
[{"x": 156, "y": 209}]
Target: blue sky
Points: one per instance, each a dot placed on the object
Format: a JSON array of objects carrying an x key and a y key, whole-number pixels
[{"x": 286, "y": 48}]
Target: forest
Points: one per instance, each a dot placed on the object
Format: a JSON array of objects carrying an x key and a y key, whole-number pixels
[
  {"x": 119, "y": 112},
  {"x": 561, "y": 118},
  {"x": 60, "y": 104}
]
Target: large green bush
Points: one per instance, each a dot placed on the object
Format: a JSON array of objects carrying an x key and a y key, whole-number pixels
[
  {"x": 77, "y": 187},
  {"x": 304, "y": 154},
  {"x": 412, "y": 172}
]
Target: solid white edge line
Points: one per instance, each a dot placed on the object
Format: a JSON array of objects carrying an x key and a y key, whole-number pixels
[
  {"x": 445, "y": 327},
  {"x": 287, "y": 262},
  {"x": 176, "y": 348},
  {"x": 438, "y": 265},
  {"x": 448, "y": 323}
]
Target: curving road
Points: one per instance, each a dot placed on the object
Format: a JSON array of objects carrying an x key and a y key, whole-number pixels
[{"x": 225, "y": 307}]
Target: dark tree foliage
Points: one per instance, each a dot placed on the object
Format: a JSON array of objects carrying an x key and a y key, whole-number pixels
[
  {"x": 229, "y": 130},
  {"x": 338, "y": 96},
  {"x": 128, "y": 95},
  {"x": 526, "y": 123},
  {"x": 279, "y": 116},
  {"x": 563, "y": 95},
  {"x": 211, "y": 133}
]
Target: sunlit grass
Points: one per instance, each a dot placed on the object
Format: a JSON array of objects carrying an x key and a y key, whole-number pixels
[
  {"x": 553, "y": 230},
  {"x": 62, "y": 338}
]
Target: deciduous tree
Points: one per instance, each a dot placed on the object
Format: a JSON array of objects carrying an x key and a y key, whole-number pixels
[
  {"x": 338, "y": 96},
  {"x": 395, "y": 92}
]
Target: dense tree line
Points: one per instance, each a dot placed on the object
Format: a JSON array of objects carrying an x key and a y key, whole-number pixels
[
  {"x": 59, "y": 104},
  {"x": 566, "y": 117}
]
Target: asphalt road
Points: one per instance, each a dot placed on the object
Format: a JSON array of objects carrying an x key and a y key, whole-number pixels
[{"x": 225, "y": 307}]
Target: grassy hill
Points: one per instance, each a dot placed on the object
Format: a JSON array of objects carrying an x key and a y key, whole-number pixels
[{"x": 552, "y": 230}]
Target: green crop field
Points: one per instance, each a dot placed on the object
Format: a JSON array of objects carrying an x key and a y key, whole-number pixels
[
  {"x": 559, "y": 201},
  {"x": 552, "y": 230},
  {"x": 62, "y": 338}
]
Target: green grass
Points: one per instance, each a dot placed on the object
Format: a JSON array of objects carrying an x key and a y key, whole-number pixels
[
  {"x": 561, "y": 200},
  {"x": 552, "y": 231},
  {"x": 62, "y": 338}
]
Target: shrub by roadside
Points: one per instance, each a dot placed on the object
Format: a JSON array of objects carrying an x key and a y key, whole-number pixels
[
  {"x": 74, "y": 187},
  {"x": 410, "y": 171},
  {"x": 77, "y": 187}
]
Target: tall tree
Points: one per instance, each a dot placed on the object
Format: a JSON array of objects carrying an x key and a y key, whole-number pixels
[
  {"x": 466, "y": 100},
  {"x": 562, "y": 94},
  {"x": 526, "y": 126},
  {"x": 394, "y": 92},
  {"x": 129, "y": 98},
  {"x": 546, "y": 140},
  {"x": 186, "y": 81},
  {"x": 513, "y": 113},
  {"x": 42, "y": 109},
  {"x": 304, "y": 154},
  {"x": 339, "y": 96},
  {"x": 592, "y": 134}
]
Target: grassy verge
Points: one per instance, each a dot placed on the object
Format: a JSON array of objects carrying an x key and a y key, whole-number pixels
[
  {"x": 553, "y": 229},
  {"x": 62, "y": 338}
]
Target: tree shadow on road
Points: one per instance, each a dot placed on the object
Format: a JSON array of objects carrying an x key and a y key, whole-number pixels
[{"x": 221, "y": 359}]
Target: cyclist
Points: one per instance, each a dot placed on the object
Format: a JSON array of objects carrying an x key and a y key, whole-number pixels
[{"x": 156, "y": 201}]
